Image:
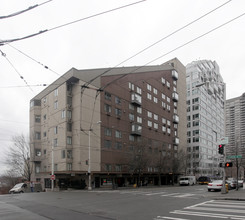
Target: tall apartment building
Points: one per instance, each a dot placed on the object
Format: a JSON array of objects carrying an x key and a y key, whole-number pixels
[
  {"x": 129, "y": 121},
  {"x": 235, "y": 127},
  {"x": 205, "y": 116}
]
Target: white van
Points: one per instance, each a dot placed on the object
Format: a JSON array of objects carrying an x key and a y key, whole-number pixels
[
  {"x": 25, "y": 187},
  {"x": 187, "y": 180}
]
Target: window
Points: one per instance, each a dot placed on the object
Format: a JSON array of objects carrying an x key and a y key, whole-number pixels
[
  {"x": 131, "y": 137},
  {"x": 55, "y": 167},
  {"x": 69, "y": 140},
  {"x": 168, "y": 99},
  {"x": 168, "y": 123},
  {"x": 55, "y": 142},
  {"x": 163, "y": 81},
  {"x": 164, "y": 120},
  {"x": 107, "y": 144},
  {"x": 108, "y": 132},
  {"x": 69, "y": 166},
  {"x": 118, "y": 168},
  {"x": 56, "y": 92},
  {"x": 118, "y": 100},
  {"x": 164, "y": 105},
  {"x": 69, "y": 114},
  {"x": 139, "y": 119},
  {"x": 63, "y": 113},
  {"x": 38, "y": 152},
  {"x": 163, "y": 96},
  {"x": 149, "y": 123},
  {"x": 131, "y": 106},
  {"x": 149, "y": 96},
  {"x": 37, "y": 168},
  {"x": 139, "y": 90},
  {"x": 149, "y": 114},
  {"x": 155, "y": 91},
  {"x": 107, "y": 96},
  {"x": 155, "y": 126},
  {"x": 37, "y": 118},
  {"x": 69, "y": 127},
  {"x": 44, "y": 134},
  {"x": 69, "y": 154},
  {"x": 131, "y": 86},
  {"x": 118, "y": 112},
  {"x": 63, "y": 154},
  {"x": 131, "y": 117},
  {"x": 107, "y": 108},
  {"x": 108, "y": 167},
  {"x": 118, "y": 134},
  {"x": 55, "y": 104},
  {"x": 56, "y": 130},
  {"x": 155, "y": 117},
  {"x": 139, "y": 110},
  {"x": 155, "y": 99},
  {"x": 149, "y": 87},
  {"x": 37, "y": 135},
  {"x": 168, "y": 107},
  {"x": 169, "y": 131},
  {"x": 168, "y": 84},
  {"x": 44, "y": 117},
  {"x": 118, "y": 145},
  {"x": 163, "y": 128}
]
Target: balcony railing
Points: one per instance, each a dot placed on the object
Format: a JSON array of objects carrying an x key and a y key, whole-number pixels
[
  {"x": 175, "y": 74},
  {"x": 136, "y": 99},
  {"x": 136, "y": 129},
  {"x": 175, "y": 96}
]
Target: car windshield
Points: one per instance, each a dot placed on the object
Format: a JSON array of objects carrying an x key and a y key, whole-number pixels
[{"x": 18, "y": 185}]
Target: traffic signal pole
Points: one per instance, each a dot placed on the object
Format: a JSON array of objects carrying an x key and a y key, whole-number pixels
[{"x": 223, "y": 190}]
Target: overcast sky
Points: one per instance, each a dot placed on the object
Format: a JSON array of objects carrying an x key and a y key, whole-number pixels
[{"x": 105, "y": 41}]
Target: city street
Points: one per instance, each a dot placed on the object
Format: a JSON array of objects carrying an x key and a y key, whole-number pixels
[{"x": 170, "y": 202}]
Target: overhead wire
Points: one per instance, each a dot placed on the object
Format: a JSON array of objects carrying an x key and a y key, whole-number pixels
[
  {"x": 2, "y": 42},
  {"x": 25, "y": 10},
  {"x": 4, "y": 55},
  {"x": 137, "y": 68}
]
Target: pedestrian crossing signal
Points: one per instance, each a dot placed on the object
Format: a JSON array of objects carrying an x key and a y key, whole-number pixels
[{"x": 228, "y": 164}]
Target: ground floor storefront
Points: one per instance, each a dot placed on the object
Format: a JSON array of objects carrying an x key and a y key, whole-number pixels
[{"x": 64, "y": 181}]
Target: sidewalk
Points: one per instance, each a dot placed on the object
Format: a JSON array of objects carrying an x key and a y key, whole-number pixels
[{"x": 233, "y": 195}]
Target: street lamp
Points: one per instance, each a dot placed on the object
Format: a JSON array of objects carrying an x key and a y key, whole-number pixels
[{"x": 89, "y": 155}]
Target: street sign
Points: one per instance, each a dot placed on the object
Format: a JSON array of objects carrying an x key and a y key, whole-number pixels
[
  {"x": 224, "y": 140},
  {"x": 234, "y": 156},
  {"x": 52, "y": 177}
]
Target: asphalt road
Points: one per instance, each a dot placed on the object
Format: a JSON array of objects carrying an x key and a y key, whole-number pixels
[{"x": 172, "y": 202}]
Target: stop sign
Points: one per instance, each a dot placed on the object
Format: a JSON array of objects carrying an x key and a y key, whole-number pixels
[{"x": 52, "y": 177}]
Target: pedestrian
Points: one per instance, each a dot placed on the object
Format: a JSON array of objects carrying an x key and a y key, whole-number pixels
[{"x": 32, "y": 186}]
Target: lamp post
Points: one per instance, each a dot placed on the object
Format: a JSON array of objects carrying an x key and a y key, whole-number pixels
[{"x": 89, "y": 155}]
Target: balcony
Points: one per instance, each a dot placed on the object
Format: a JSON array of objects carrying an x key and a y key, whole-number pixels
[
  {"x": 175, "y": 75},
  {"x": 175, "y": 119},
  {"x": 136, "y": 99},
  {"x": 176, "y": 140},
  {"x": 175, "y": 96},
  {"x": 136, "y": 129}
]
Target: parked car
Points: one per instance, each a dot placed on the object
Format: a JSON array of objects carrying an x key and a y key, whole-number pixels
[
  {"x": 232, "y": 183},
  {"x": 216, "y": 185},
  {"x": 25, "y": 187},
  {"x": 240, "y": 183}
]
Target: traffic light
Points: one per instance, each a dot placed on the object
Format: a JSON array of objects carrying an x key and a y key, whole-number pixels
[
  {"x": 228, "y": 164},
  {"x": 221, "y": 148}
]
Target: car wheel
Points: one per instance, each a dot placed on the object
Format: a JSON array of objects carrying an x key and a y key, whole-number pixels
[{"x": 209, "y": 190}]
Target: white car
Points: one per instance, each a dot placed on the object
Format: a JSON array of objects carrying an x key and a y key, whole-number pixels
[
  {"x": 215, "y": 185},
  {"x": 18, "y": 188}
]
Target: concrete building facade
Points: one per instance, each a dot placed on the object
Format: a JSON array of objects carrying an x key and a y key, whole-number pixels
[
  {"x": 205, "y": 117},
  {"x": 235, "y": 131},
  {"x": 123, "y": 126}
]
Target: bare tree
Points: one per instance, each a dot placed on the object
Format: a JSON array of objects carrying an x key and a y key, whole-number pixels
[
  {"x": 139, "y": 161},
  {"x": 18, "y": 158}
]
